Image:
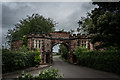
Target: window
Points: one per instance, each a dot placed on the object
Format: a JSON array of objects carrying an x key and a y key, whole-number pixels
[
  {"x": 83, "y": 44},
  {"x": 36, "y": 43},
  {"x": 78, "y": 42},
  {"x": 39, "y": 43}
]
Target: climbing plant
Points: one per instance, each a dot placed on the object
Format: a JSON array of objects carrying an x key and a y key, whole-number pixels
[{"x": 25, "y": 40}]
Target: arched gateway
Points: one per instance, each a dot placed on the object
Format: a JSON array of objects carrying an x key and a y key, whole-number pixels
[{"x": 45, "y": 44}]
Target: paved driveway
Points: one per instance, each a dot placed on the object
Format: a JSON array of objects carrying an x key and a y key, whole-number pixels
[{"x": 73, "y": 71}]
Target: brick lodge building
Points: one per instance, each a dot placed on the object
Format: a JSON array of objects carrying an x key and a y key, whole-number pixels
[{"x": 45, "y": 44}]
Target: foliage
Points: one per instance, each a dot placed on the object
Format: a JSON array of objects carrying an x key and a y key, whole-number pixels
[
  {"x": 111, "y": 48},
  {"x": 35, "y": 24},
  {"x": 63, "y": 51},
  {"x": 71, "y": 31},
  {"x": 102, "y": 24},
  {"x": 14, "y": 60},
  {"x": 85, "y": 25},
  {"x": 107, "y": 60},
  {"x": 108, "y": 6},
  {"x": 23, "y": 49},
  {"x": 50, "y": 73},
  {"x": 61, "y": 30},
  {"x": 80, "y": 50},
  {"x": 78, "y": 30},
  {"x": 65, "y": 60},
  {"x": 37, "y": 57},
  {"x": 54, "y": 55},
  {"x": 25, "y": 40}
]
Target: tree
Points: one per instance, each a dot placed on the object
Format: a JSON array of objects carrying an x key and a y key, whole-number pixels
[
  {"x": 35, "y": 24},
  {"x": 113, "y": 7},
  {"x": 85, "y": 25},
  {"x": 78, "y": 30},
  {"x": 102, "y": 24},
  {"x": 63, "y": 51},
  {"x": 61, "y": 30},
  {"x": 71, "y": 31}
]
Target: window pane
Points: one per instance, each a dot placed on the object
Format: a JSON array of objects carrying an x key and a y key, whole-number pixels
[
  {"x": 82, "y": 41},
  {"x": 85, "y": 45},
  {"x": 36, "y": 43},
  {"x": 39, "y": 43},
  {"x": 82, "y": 45},
  {"x": 85, "y": 42}
]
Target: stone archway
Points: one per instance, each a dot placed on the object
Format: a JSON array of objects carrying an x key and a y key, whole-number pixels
[
  {"x": 45, "y": 43},
  {"x": 60, "y": 43}
]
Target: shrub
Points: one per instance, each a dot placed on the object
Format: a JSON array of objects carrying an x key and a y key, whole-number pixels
[
  {"x": 63, "y": 51},
  {"x": 50, "y": 73},
  {"x": 107, "y": 60},
  {"x": 37, "y": 57},
  {"x": 13, "y": 60},
  {"x": 81, "y": 52},
  {"x": 25, "y": 40},
  {"x": 23, "y": 49}
]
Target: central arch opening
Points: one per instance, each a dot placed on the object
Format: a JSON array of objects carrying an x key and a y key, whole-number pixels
[
  {"x": 60, "y": 50},
  {"x": 55, "y": 50}
]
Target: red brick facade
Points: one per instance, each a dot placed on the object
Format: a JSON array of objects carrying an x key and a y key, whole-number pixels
[
  {"x": 45, "y": 43},
  {"x": 17, "y": 44}
]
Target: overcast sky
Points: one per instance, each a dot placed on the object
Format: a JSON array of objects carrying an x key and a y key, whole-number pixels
[{"x": 66, "y": 14}]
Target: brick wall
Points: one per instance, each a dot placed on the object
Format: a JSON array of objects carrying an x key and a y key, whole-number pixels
[
  {"x": 16, "y": 44},
  {"x": 60, "y": 34},
  {"x": 45, "y": 43}
]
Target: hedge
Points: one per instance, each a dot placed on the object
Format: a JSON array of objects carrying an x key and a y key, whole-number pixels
[
  {"x": 107, "y": 60},
  {"x": 14, "y": 60}
]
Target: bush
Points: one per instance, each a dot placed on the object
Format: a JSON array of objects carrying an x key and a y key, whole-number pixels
[
  {"x": 13, "y": 60},
  {"x": 50, "y": 74},
  {"x": 23, "y": 49},
  {"x": 25, "y": 40},
  {"x": 37, "y": 57},
  {"x": 107, "y": 60},
  {"x": 63, "y": 51}
]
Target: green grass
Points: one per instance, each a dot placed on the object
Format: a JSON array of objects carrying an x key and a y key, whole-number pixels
[{"x": 54, "y": 55}]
